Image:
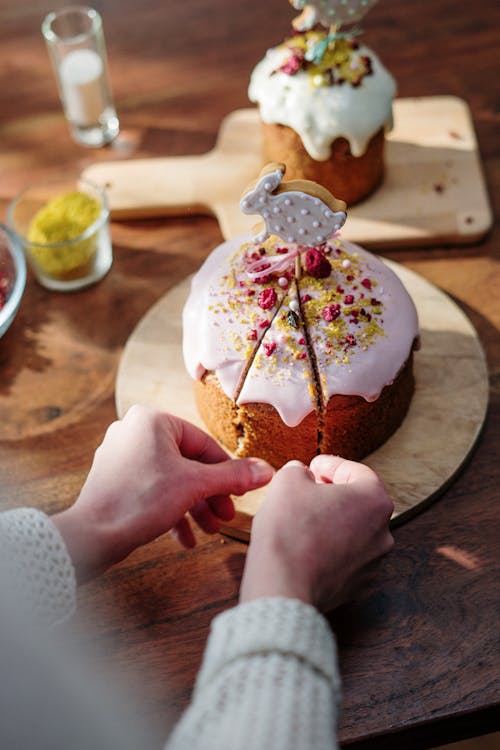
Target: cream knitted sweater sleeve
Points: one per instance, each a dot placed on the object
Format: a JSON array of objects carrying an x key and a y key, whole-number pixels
[
  {"x": 36, "y": 567},
  {"x": 269, "y": 679}
]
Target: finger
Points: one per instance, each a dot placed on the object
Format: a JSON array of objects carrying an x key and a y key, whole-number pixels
[
  {"x": 294, "y": 465},
  {"x": 196, "y": 444},
  {"x": 222, "y": 506},
  {"x": 324, "y": 467},
  {"x": 340, "y": 470},
  {"x": 204, "y": 517},
  {"x": 232, "y": 477},
  {"x": 183, "y": 533}
]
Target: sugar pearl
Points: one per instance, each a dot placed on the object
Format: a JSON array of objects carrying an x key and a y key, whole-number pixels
[
  {"x": 276, "y": 210},
  {"x": 288, "y": 202},
  {"x": 316, "y": 224},
  {"x": 283, "y": 282},
  {"x": 294, "y": 305},
  {"x": 277, "y": 227},
  {"x": 346, "y": 263},
  {"x": 267, "y": 186},
  {"x": 304, "y": 211}
]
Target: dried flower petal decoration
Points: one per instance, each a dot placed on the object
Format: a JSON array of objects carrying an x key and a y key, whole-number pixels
[
  {"x": 332, "y": 15},
  {"x": 315, "y": 54},
  {"x": 328, "y": 59}
]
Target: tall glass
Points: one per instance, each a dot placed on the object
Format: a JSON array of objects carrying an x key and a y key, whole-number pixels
[{"x": 77, "y": 50}]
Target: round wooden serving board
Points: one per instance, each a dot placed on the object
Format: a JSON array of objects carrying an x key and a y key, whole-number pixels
[{"x": 417, "y": 463}]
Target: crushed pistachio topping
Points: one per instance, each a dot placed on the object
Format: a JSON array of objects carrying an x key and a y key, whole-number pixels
[
  {"x": 340, "y": 307},
  {"x": 54, "y": 231}
]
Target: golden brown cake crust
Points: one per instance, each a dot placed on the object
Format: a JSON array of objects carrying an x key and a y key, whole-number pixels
[
  {"x": 353, "y": 427},
  {"x": 350, "y": 426},
  {"x": 350, "y": 178}
]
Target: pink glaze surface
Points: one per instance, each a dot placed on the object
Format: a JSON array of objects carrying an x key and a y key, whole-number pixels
[{"x": 358, "y": 319}]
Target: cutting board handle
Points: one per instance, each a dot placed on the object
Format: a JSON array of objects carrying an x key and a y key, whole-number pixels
[{"x": 141, "y": 188}]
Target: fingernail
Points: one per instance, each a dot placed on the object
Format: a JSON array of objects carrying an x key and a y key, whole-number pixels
[{"x": 260, "y": 470}]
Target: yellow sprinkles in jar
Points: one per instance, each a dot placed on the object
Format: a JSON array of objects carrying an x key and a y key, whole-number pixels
[{"x": 61, "y": 221}]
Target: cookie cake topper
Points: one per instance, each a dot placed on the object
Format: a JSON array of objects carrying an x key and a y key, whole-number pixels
[
  {"x": 330, "y": 12},
  {"x": 301, "y": 212}
]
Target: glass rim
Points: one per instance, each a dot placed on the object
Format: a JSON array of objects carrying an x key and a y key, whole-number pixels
[
  {"x": 19, "y": 261},
  {"x": 91, "y": 229},
  {"x": 84, "y": 10}
]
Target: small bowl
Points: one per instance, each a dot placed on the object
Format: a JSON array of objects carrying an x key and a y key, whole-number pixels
[
  {"x": 67, "y": 264},
  {"x": 12, "y": 277}
]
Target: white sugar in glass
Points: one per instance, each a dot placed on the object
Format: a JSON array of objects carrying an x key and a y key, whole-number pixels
[{"x": 75, "y": 42}]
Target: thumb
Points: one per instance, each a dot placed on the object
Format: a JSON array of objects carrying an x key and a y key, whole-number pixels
[{"x": 233, "y": 477}]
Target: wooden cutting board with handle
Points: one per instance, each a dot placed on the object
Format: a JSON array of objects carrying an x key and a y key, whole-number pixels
[
  {"x": 417, "y": 463},
  {"x": 433, "y": 191}
]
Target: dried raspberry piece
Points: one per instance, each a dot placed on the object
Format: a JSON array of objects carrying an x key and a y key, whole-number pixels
[
  {"x": 366, "y": 283},
  {"x": 349, "y": 299},
  {"x": 250, "y": 292},
  {"x": 305, "y": 298},
  {"x": 350, "y": 340},
  {"x": 317, "y": 265},
  {"x": 267, "y": 299},
  {"x": 331, "y": 312},
  {"x": 269, "y": 347},
  {"x": 301, "y": 355},
  {"x": 292, "y": 65},
  {"x": 252, "y": 335},
  {"x": 264, "y": 323},
  {"x": 281, "y": 250}
]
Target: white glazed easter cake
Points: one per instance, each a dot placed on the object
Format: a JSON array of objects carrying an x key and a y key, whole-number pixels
[{"x": 325, "y": 104}]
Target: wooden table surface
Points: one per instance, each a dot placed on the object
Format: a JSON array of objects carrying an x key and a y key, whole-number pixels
[{"x": 419, "y": 647}]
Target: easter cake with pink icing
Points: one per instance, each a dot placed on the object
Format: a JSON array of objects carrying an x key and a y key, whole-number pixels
[{"x": 298, "y": 342}]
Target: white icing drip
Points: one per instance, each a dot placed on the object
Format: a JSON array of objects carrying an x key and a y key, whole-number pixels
[{"x": 322, "y": 114}]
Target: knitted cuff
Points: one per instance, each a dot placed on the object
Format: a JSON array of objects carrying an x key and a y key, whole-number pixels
[
  {"x": 265, "y": 625},
  {"x": 36, "y": 566}
]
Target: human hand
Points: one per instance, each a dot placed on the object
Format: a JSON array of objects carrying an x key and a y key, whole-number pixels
[
  {"x": 149, "y": 472},
  {"x": 318, "y": 532}
]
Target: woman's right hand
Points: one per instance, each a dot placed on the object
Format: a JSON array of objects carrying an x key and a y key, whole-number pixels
[{"x": 318, "y": 532}]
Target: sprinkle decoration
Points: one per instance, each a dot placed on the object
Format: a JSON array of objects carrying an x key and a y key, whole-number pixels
[{"x": 332, "y": 15}]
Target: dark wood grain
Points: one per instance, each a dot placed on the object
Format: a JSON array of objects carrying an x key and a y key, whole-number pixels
[{"x": 419, "y": 647}]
